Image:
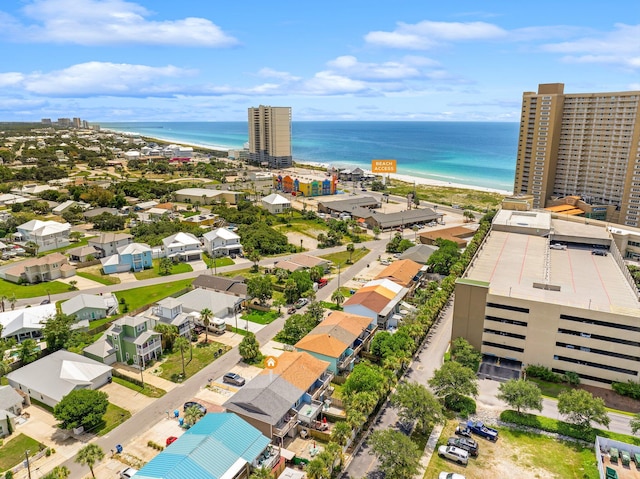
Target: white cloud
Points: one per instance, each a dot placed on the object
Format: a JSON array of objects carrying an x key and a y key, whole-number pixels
[
  {"x": 427, "y": 34},
  {"x": 271, "y": 73},
  {"x": 98, "y": 78},
  {"x": 109, "y": 22},
  {"x": 10, "y": 79},
  {"x": 620, "y": 46},
  {"x": 350, "y": 66},
  {"x": 329, "y": 83}
]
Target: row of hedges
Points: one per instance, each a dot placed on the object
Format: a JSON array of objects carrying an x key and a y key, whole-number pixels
[{"x": 548, "y": 424}]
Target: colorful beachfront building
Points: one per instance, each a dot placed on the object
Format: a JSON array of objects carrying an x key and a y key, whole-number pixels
[{"x": 306, "y": 186}]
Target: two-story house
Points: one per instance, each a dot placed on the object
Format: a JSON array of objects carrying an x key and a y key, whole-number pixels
[
  {"x": 108, "y": 243},
  {"x": 131, "y": 257},
  {"x": 338, "y": 339},
  {"x": 169, "y": 311},
  {"x": 182, "y": 247},
  {"x": 46, "y": 235},
  {"x": 222, "y": 242},
  {"x": 277, "y": 400},
  {"x": 133, "y": 338},
  {"x": 36, "y": 270},
  {"x": 379, "y": 300}
]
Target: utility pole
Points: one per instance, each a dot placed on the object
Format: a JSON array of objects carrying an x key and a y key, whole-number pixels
[
  {"x": 141, "y": 369},
  {"x": 26, "y": 455}
]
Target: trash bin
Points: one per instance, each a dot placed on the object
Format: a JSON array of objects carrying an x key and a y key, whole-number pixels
[
  {"x": 118, "y": 448},
  {"x": 176, "y": 413},
  {"x": 181, "y": 421}
]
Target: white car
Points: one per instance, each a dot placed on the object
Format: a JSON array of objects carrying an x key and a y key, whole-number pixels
[
  {"x": 128, "y": 473},
  {"x": 454, "y": 454},
  {"x": 558, "y": 246},
  {"x": 450, "y": 475}
]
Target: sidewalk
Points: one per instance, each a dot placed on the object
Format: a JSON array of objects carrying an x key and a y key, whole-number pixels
[{"x": 148, "y": 375}]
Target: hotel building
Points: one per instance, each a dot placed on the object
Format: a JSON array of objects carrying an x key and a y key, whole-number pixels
[
  {"x": 554, "y": 292},
  {"x": 270, "y": 136},
  {"x": 581, "y": 144}
]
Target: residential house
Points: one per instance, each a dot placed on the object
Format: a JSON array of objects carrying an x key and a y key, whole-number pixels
[
  {"x": 275, "y": 203},
  {"x": 132, "y": 257},
  {"x": 47, "y": 235},
  {"x": 379, "y": 300},
  {"x": 134, "y": 340},
  {"x": 336, "y": 207},
  {"x": 82, "y": 254},
  {"x": 222, "y": 242},
  {"x": 91, "y": 306},
  {"x": 222, "y": 305},
  {"x": 306, "y": 186},
  {"x": 67, "y": 205},
  {"x": 205, "y": 196},
  {"x": 36, "y": 270},
  {"x": 218, "y": 446},
  {"x": 457, "y": 234},
  {"x": 108, "y": 243},
  {"x": 94, "y": 212},
  {"x": 302, "y": 261},
  {"x": 404, "y": 272},
  {"x": 8, "y": 199},
  {"x": 182, "y": 247},
  {"x": 235, "y": 286},
  {"x": 419, "y": 253},
  {"x": 203, "y": 220},
  {"x": 52, "y": 377},
  {"x": 10, "y": 407},
  {"x": 352, "y": 174},
  {"x": 277, "y": 400},
  {"x": 27, "y": 323},
  {"x": 338, "y": 339},
  {"x": 169, "y": 311}
]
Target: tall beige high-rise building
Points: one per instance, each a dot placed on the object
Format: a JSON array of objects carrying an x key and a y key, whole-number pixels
[
  {"x": 270, "y": 136},
  {"x": 581, "y": 144}
]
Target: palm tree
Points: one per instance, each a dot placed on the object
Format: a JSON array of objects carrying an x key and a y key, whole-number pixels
[
  {"x": 341, "y": 432},
  {"x": 317, "y": 469},
  {"x": 89, "y": 455},
  {"x": 350, "y": 249},
  {"x": 338, "y": 297},
  {"x": 206, "y": 315},
  {"x": 4, "y": 368},
  {"x": 169, "y": 333},
  {"x": 261, "y": 473},
  {"x": 192, "y": 414},
  {"x": 58, "y": 472},
  {"x": 334, "y": 450},
  {"x": 182, "y": 344},
  {"x": 13, "y": 301},
  {"x": 28, "y": 351},
  {"x": 3, "y": 298}
]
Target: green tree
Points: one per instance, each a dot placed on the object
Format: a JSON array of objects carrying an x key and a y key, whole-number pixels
[
  {"x": 317, "y": 469},
  {"x": 316, "y": 273},
  {"x": 316, "y": 311},
  {"x": 249, "y": 348},
  {"x": 28, "y": 351},
  {"x": 169, "y": 334},
  {"x": 454, "y": 378},
  {"x": 444, "y": 257},
  {"x": 338, "y": 297},
  {"x": 81, "y": 407},
  {"x": 89, "y": 455},
  {"x": 350, "y": 249},
  {"x": 290, "y": 291},
  {"x": 520, "y": 395},
  {"x": 261, "y": 473},
  {"x": 192, "y": 415},
  {"x": 261, "y": 288},
  {"x": 465, "y": 354},
  {"x": 58, "y": 472},
  {"x": 415, "y": 403},
  {"x": 341, "y": 432},
  {"x": 205, "y": 316},
  {"x": 281, "y": 274},
  {"x": 365, "y": 377},
  {"x": 581, "y": 408},
  {"x": 634, "y": 423},
  {"x": 182, "y": 344},
  {"x": 57, "y": 331},
  {"x": 254, "y": 257},
  {"x": 296, "y": 327},
  {"x": 398, "y": 455},
  {"x": 376, "y": 232},
  {"x": 398, "y": 244},
  {"x": 73, "y": 285},
  {"x": 302, "y": 280},
  {"x": 165, "y": 266},
  {"x": 5, "y": 368}
]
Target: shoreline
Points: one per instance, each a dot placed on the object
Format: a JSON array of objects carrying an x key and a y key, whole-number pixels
[{"x": 405, "y": 178}]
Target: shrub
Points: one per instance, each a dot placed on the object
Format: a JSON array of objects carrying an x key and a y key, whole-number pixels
[
  {"x": 461, "y": 404},
  {"x": 547, "y": 424},
  {"x": 630, "y": 389},
  {"x": 8, "y": 475},
  {"x": 544, "y": 373}
]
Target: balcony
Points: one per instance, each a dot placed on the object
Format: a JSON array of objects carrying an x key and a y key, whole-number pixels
[
  {"x": 345, "y": 361},
  {"x": 288, "y": 422},
  {"x": 308, "y": 412},
  {"x": 320, "y": 386},
  {"x": 148, "y": 348}
]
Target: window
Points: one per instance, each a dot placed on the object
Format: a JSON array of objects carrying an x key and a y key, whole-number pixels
[
  {"x": 508, "y": 307},
  {"x": 504, "y": 333},
  {"x": 608, "y": 367},
  {"x": 503, "y": 346},
  {"x": 577, "y": 319}
]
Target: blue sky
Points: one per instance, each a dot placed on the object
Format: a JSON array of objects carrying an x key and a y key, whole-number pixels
[{"x": 198, "y": 60}]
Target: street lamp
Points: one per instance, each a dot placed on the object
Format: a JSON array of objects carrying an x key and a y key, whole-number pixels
[{"x": 26, "y": 455}]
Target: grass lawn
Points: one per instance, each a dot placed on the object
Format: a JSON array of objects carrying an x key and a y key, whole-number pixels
[
  {"x": 32, "y": 290},
  {"x": 245, "y": 273},
  {"x": 102, "y": 278},
  {"x": 154, "y": 272},
  {"x": 83, "y": 242},
  {"x": 549, "y": 389},
  {"x": 519, "y": 454},
  {"x": 138, "y": 297},
  {"x": 243, "y": 332},
  {"x": 203, "y": 355},
  {"x": 331, "y": 306},
  {"x": 148, "y": 390},
  {"x": 260, "y": 317},
  {"x": 112, "y": 418},
  {"x": 219, "y": 262},
  {"x": 341, "y": 257},
  {"x": 12, "y": 452}
]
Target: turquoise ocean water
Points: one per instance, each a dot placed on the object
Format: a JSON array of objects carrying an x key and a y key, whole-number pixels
[{"x": 470, "y": 153}]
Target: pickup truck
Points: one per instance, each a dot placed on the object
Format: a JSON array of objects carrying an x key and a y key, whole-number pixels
[
  {"x": 465, "y": 443},
  {"x": 477, "y": 427}
]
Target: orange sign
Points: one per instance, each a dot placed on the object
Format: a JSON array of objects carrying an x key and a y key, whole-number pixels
[
  {"x": 270, "y": 362},
  {"x": 383, "y": 166}
]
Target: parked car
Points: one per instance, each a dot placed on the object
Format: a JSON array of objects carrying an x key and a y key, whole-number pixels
[
  {"x": 463, "y": 430},
  {"x": 477, "y": 427},
  {"x": 232, "y": 256},
  {"x": 189, "y": 404},
  {"x": 170, "y": 440},
  {"x": 233, "y": 378},
  {"x": 45, "y": 301},
  {"x": 301, "y": 303},
  {"x": 454, "y": 454},
  {"x": 599, "y": 252},
  {"x": 128, "y": 473},
  {"x": 558, "y": 246},
  {"x": 465, "y": 443},
  {"x": 291, "y": 310},
  {"x": 450, "y": 475}
]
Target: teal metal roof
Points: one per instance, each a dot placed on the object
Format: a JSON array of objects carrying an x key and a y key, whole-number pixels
[{"x": 207, "y": 450}]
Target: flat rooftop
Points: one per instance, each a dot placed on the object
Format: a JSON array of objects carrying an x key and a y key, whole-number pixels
[{"x": 512, "y": 263}]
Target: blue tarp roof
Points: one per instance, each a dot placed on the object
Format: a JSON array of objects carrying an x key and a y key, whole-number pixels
[{"x": 207, "y": 450}]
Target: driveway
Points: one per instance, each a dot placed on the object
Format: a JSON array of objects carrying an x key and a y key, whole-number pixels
[{"x": 126, "y": 398}]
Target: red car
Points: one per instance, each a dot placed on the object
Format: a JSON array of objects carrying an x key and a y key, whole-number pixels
[{"x": 171, "y": 440}]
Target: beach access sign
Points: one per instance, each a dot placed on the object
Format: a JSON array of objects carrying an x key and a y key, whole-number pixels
[{"x": 383, "y": 166}]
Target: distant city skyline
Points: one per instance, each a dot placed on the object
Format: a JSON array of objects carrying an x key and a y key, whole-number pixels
[{"x": 143, "y": 60}]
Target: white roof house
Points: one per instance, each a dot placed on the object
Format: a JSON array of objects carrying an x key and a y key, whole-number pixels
[
  {"x": 51, "y": 378},
  {"x": 46, "y": 234},
  {"x": 222, "y": 242},
  {"x": 182, "y": 246},
  {"x": 90, "y": 303},
  {"x": 27, "y": 322},
  {"x": 275, "y": 203}
]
